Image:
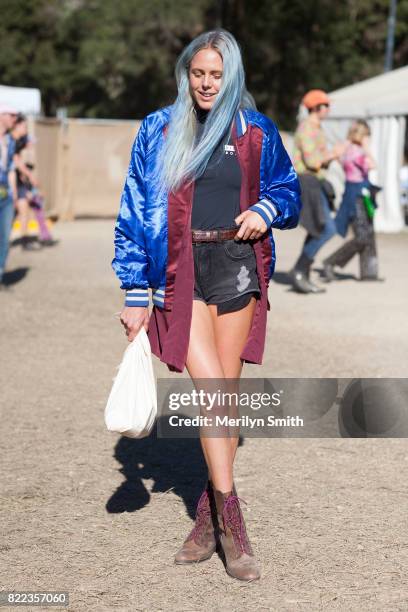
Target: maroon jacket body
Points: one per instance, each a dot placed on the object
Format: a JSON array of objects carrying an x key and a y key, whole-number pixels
[{"x": 169, "y": 327}]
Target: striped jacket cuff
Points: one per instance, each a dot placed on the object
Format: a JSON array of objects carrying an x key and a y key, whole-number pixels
[
  {"x": 137, "y": 297},
  {"x": 158, "y": 297},
  {"x": 266, "y": 209}
]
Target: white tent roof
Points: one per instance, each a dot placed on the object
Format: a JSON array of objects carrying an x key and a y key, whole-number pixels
[
  {"x": 24, "y": 99},
  {"x": 386, "y": 94}
]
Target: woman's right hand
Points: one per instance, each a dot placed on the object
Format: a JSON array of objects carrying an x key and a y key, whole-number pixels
[
  {"x": 366, "y": 144},
  {"x": 132, "y": 318},
  {"x": 339, "y": 149}
]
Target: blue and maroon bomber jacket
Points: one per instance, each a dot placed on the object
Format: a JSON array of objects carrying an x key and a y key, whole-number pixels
[{"x": 153, "y": 229}]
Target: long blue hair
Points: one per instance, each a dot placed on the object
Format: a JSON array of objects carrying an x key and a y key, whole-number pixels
[{"x": 180, "y": 158}]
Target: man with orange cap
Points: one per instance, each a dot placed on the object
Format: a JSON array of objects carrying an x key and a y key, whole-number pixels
[{"x": 311, "y": 158}]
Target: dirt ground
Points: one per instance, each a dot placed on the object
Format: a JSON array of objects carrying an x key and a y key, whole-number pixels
[{"x": 100, "y": 516}]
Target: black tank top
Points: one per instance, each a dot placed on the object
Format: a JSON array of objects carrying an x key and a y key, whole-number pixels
[{"x": 217, "y": 190}]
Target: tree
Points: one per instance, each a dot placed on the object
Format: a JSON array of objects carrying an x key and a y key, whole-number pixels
[
  {"x": 115, "y": 58},
  {"x": 291, "y": 47}
]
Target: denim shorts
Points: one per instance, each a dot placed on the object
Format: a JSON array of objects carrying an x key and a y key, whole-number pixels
[
  {"x": 225, "y": 274},
  {"x": 22, "y": 191}
]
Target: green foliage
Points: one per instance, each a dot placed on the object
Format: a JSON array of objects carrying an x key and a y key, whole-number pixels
[
  {"x": 115, "y": 58},
  {"x": 291, "y": 47}
]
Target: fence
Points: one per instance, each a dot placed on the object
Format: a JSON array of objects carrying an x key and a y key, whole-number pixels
[{"x": 82, "y": 164}]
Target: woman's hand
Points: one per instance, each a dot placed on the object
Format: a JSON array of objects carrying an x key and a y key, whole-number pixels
[
  {"x": 365, "y": 143},
  {"x": 252, "y": 225},
  {"x": 370, "y": 161},
  {"x": 132, "y": 318},
  {"x": 340, "y": 148},
  {"x": 337, "y": 151}
]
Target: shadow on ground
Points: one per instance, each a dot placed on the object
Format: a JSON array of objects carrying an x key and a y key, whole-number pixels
[
  {"x": 15, "y": 276},
  {"x": 283, "y": 278},
  {"x": 175, "y": 464},
  {"x": 340, "y": 276}
]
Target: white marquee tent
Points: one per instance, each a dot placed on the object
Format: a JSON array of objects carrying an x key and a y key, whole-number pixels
[
  {"x": 25, "y": 99},
  {"x": 383, "y": 102}
]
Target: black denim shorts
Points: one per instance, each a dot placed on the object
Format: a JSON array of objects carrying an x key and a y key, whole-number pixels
[{"x": 225, "y": 274}]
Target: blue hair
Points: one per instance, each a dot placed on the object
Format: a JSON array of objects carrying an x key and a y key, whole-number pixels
[{"x": 181, "y": 159}]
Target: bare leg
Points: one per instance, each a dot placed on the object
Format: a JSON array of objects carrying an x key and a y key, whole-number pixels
[
  {"x": 231, "y": 333},
  {"x": 214, "y": 341},
  {"x": 42, "y": 224},
  {"x": 22, "y": 209},
  {"x": 203, "y": 362}
]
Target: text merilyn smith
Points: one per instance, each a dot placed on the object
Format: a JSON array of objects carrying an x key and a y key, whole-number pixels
[{"x": 244, "y": 421}]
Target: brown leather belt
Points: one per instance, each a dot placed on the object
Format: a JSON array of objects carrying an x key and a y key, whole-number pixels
[{"x": 213, "y": 235}]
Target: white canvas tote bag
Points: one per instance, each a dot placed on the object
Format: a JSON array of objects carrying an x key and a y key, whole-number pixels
[{"x": 132, "y": 404}]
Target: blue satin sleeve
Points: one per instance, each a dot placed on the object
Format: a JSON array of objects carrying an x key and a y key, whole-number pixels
[
  {"x": 279, "y": 198},
  {"x": 130, "y": 262}
]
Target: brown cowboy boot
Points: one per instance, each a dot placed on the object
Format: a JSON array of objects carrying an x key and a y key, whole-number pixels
[
  {"x": 239, "y": 557},
  {"x": 200, "y": 544}
]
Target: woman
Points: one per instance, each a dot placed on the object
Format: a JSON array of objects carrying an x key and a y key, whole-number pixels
[
  {"x": 208, "y": 178},
  {"x": 27, "y": 188},
  {"x": 357, "y": 161}
]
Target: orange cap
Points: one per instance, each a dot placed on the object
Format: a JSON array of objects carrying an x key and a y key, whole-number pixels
[{"x": 314, "y": 97}]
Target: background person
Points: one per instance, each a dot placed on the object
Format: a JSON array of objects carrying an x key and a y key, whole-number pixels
[
  {"x": 357, "y": 161},
  {"x": 29, "y": 196},
  {"x": 206, "y": 155},
  {"x": 25, "y": 180},
  {"x": 8, "y": 187},
  {"x": 311, "y": 158}
]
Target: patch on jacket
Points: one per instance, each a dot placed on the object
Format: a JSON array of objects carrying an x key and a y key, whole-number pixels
[{"x": 229, "y": 149}]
